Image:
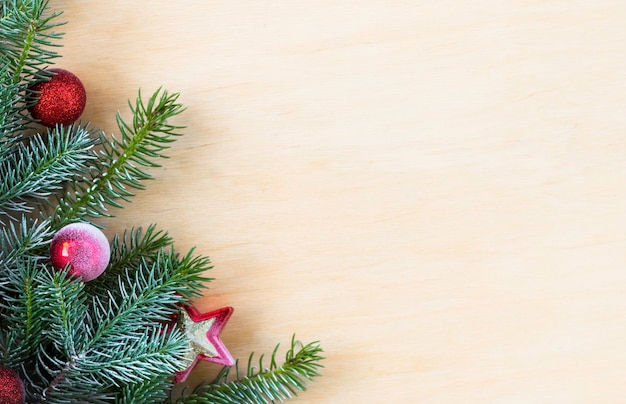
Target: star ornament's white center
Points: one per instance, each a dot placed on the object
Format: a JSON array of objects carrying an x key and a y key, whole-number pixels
[{"x": 197, "y": 334}]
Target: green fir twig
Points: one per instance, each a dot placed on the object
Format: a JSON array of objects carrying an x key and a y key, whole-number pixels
[
  {"x": 28, "y": 39},
  {"x": 122, "y": 337},
  {"x": 129, "y": 250},
  {"x": 265, "y": 385},
  {"x": 23, "y": 314},
  {"x": 36, "y": 169},
  {"x": 120, "y": 163},
  {"x": 27, "y": 32}
]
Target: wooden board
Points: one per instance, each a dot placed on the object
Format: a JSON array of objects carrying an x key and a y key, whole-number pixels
[{"x": 435, "y": 190}]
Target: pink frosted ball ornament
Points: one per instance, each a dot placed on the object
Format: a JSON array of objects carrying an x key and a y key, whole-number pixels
[{"x": 82, "y": 248}]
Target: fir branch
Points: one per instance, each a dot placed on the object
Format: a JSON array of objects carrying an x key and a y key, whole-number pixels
[
  {"x": 129, "y": 317},
  {"x": 28, "y": 34},
  {"x": 140, "y": 300},
  {"x": 136, "y": 244},
  {"x": 24, "y": 317},
  {"x": 128, "y": 251},
  {"x": 28, "y": 238},
  {"x": 40, "y": 167},
  {"x": 266, "y": 385},
  {"x": 150, "y": 352},
  {"x": 193, "y": 269},
  {"x": 85, "y": 390},
  {"x": 9, "y": 347},
  {"x": 121, "y": 360},
  {"x": 150, "y": 293},
  {"x": 64, "y": 300},
  {"x": 20, "y": 249},
  {"x": 120, "y": 163},
  {"x": 10, "y": 112},
  {"x": 27, "y": 40},
  {"x": 153, "y": 390}
]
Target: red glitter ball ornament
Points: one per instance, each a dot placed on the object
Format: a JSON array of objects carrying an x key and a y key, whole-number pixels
[
  {"x": 60, "y": 100},
  {"x": 82, "y": 247},
  {"x": 11, "y": 387}
]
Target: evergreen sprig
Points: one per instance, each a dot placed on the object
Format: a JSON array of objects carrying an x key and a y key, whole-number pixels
[
  {"x": 130, "y": 249},
  {"x": 265, "y": 385},
  {"x": 152, "y": 390},
  {"x": 10, "y": 112},
  {"x": 28, "y": 35},
  {"x": 23, "y": 314},
  {"x": 120, "y": 164},
  {"x": 151, "y": 352},
  {"x": 103, "y": 343},
  {"x": 149, "y": 293},
  {"x": 64, "y": 300},
  {"x": 28, "y": 39},
  {"x": 26, "y": 238},
  {"x": 37, "y": 168}
]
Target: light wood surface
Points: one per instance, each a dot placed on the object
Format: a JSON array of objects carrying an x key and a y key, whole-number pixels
[{"x": 435, "y": 190}]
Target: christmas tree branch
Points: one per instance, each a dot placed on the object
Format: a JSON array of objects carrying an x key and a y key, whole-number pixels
[
  {"x": 132, "y": 315},
  {"x": 134, "y": 245},
  {"x": 153, "y": 390},
  {"x": 26, "y": 40},
  {"x": 64, "y": 301},
  {"x": 26, "y": 34},
  {"x": 26, "y": 239},
  {"x": 118, "y": 168},
  {"x": 128, "y": 317},
  {"x": 143, "y": 296},
  {"x": 152, "y": 351},
  {"x": 19, "y": 247},
  {"x": 267, "y": 385},
  {"x": 128, "y": 251},
  {"x": 39, "y": 167},
  {"x": 151, "y": 292},
  {"x": 10, "y": 112},
  {"x": 23, "y": 320}
]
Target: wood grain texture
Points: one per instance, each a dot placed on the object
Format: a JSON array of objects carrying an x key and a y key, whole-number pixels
[{"x": 435, "y": 190}]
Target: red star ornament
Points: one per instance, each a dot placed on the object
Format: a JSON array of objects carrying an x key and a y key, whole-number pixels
[{"x": 203, "y": 330}]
